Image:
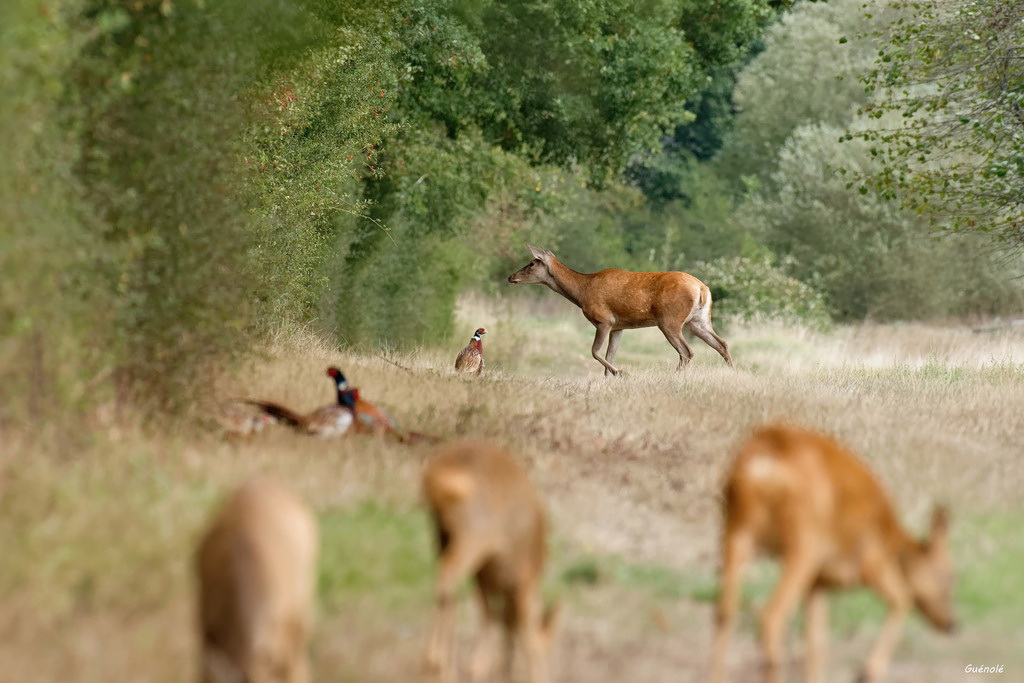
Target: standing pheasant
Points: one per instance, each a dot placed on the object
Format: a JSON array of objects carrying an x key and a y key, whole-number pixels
[{"x": 471, "y": 358}]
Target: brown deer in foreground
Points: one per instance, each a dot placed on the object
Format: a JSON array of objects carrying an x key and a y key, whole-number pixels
[
  {"x": 809, "y": 501},
  {"x": 490, "y": 525},
  {"x": 256, "y": 567},
  {"x": 616, "y": 300}
]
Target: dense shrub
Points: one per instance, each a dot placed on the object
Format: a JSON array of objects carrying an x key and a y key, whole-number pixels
[{"x": 753, "y": 289}]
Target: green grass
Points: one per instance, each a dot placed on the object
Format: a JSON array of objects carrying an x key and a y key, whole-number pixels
[
  {"x": 653, "y": 580},
  {"x": 990, "y": 551},
  {"x": 370, "y": 549}
]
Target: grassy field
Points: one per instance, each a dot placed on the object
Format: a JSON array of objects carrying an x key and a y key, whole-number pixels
[{"x": 96, "y": 537}]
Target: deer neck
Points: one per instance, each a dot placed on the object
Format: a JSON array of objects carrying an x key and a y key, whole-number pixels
[{"x": 567, "y": 281}]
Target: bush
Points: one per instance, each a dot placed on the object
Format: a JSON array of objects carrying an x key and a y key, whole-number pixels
[
  {"x": 869, "y": 257},
  {"x": 753, "y": 289}
]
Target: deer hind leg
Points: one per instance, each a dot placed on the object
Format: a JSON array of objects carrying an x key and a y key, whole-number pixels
[
  {"x": 491, "y": 630},
  {"x": 291, "y": 658},
  {"x": 702, "y": 328},
  {"x": 890, "y": 585},
  {"x": 603, "y": 330},
  {"x": 529, "y": 631},
  {"x": 798, "y": 573},
  {"x": 738, "y": 549},
  {"x": 674, "y": 334},
  {"x": 613, "y": 347},
  {"x": 458, "y": 561},
  {"x": 816, "y": 623},
  {"x": 218, "y": 666}
]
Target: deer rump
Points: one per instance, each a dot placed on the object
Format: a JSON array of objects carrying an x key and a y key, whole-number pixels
[{"x": 256, "y": 570}]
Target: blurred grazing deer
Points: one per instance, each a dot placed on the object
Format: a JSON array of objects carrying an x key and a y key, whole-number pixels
[
  {"x": 490, "y": 525},
  {"x": 806, "y": 499},
  {"x": 616, "y": 300},
  {"x": 256, "y": 568}
]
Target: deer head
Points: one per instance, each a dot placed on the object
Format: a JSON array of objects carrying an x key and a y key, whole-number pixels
[
  {"x": 930, "y": 574},
  {"x": 537, "y": 271}
]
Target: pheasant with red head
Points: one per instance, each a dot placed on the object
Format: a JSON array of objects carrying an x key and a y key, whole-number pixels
[
  {"x": 471, "y": 358},
  {"x": 369, "y": 419}
]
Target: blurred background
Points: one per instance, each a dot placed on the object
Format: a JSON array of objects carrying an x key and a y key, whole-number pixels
[{"x": 205, "y": 199}]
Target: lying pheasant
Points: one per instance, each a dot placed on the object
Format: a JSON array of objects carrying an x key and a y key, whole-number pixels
[
  {"x": 369, "y": 419},
  {"x": 240, "y": 423},
  {"x": 471, "y": 358},
  {"x": 327, "y": 421}
]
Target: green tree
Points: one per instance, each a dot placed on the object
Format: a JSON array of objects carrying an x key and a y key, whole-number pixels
[
  {"x": 803, "y": 76},
  {"x": 955, "y": 75},
  {"x": 568, "y": 83},
  {"x": 869, "y": 257}
]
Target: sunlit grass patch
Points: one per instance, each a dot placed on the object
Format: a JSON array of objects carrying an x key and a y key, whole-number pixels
[
  {"x": 107, "y": 531},
  {"x": 370, "y": 549},
  {"x": 990, "y": 557}
]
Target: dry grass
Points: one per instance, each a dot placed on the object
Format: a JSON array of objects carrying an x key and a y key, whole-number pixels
[{"x": 95, "y": 543}]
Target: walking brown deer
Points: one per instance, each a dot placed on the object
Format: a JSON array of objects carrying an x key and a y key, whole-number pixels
[
  {"x": 490, "y": 525},
  {"x": 804, "y": 498},
  {"x": 257, "y": 568},
  {"x": 616, "y": 300}
]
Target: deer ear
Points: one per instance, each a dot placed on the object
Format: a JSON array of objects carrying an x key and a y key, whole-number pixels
[{"x": 537, "y": 252}]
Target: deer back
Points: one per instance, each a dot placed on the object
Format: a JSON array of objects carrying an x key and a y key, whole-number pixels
[
  {"x": 256, "y": 569},
  {"x": 480, "y": 494}
]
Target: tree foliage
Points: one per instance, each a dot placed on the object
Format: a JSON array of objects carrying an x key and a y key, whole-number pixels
[
  {"x": 799, "y": 103},
  {"x": 955, "y": 75},
  {"x": 586, "y": 83},
  {"x": 182, "y": 178},
  {"x": 803, "y": 76},
  {"x": 871, "y": 258}
]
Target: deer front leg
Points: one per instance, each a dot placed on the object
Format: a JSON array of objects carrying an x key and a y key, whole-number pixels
[
  {"x": 798, "y": 567},
  {"x": 816, "y": 624},
  {"x": 890, "y": 585},
  {"x": 603, "y": 330},
  {"x": 613, "y": 347},
  {"x": 738, "y": 549},
  {"x": 490, "y": 631}
]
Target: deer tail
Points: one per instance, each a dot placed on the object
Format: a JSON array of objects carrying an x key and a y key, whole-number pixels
[{"x": 448, "y": 485}]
